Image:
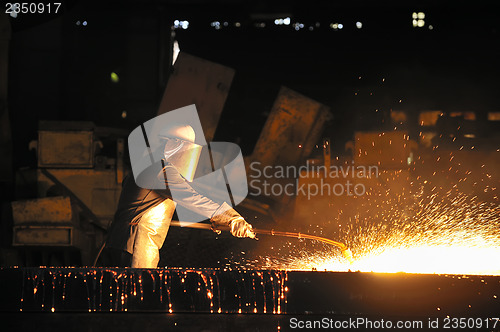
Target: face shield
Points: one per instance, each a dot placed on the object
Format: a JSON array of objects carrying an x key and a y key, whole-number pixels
[{"x": 184, "y": 155}]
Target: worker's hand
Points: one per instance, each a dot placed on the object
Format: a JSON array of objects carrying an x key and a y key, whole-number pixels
[
  {"x": 240, "y": 228},
  {"x": 226, "y": 216}
]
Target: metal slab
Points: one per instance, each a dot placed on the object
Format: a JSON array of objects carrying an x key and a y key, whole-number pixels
[
  {"x": 48, "y": 236},
  {"x": 43, "y": 210},
  {"x": 264, "y": 292},
  {"x": 291, "y": 130},
  {"x": 200, "y": 82},
  {"x": 66, "y": 144}
]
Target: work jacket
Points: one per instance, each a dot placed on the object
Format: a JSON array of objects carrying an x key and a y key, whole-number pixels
[{"x": 135, "y": 202}]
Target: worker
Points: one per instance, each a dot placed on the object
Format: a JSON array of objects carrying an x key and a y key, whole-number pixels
[{"x": 143, "y": 216}]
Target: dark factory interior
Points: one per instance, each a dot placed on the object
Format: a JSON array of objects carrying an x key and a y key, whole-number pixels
[{"x": 221, "y": 165}]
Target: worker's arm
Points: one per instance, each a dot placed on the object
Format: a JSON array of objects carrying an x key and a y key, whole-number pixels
[{"x": 219, "y": 214}]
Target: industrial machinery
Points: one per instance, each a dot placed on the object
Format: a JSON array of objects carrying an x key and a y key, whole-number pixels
[{"x": 78, "y": 190}]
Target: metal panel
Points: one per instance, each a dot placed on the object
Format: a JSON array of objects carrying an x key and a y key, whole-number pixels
[
  {"x": 43, "y": 235},
  {"x": 46, "y": 210},
  {"x": 292, "y": 129},
  {"x": 65, "y": 144},
  {"x": 200, "y": 82}
]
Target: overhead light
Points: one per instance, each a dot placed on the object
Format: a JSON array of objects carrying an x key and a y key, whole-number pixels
[
  {"x": 359, "y": 25},
  {"x": 215, "y": 24},
  {"x": 336, "y": 26},
  {"x": 298, "y": 26},
  {"x": 181, "y": 24},
  {"x": 282, "y": 21},
  {"x": 418, "y": 19}
]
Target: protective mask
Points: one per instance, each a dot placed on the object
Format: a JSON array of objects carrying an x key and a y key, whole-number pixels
[{"x": 185, "y": 157}]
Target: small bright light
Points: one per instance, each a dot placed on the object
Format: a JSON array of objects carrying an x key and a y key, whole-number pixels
[
  {"x": 13, "y": 12},
  {"x": 431, "y": 27},
  {"x": 414, "y": 15},
  {"x": 334, "y": 25},
  {"x": 298, "y": 26},
  {"x": 341, "y": 25},
  {"x": 175, "y": 51},
  {"x": 114, "y": 77},
  {"x": 420, "y": 23},
  {"x": 421, "y": 15},
  {"x": 286, "y": 21},
  {"x": 415, "y": 23},
  {"x": 215, "y": 24},
  {"x": 84, "y": 23},
  {"x": 78, "y": 23},
  {"x": 276, "y": 22},
  {"x": 237, "y": 24},
  {"x": 124, "y": 114},
  {"x": 359, "y": 25},
  {"x": 181, "y": 24},
  {"x": 226, "y": 24}
]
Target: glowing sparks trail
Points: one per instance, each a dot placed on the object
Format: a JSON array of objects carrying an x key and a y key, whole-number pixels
[
  {"x": 451, "y": 235},
  {"x": 171, "y": 290}
]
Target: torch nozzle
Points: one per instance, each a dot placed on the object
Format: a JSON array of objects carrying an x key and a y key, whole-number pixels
[{"x": 347, "y": 253}]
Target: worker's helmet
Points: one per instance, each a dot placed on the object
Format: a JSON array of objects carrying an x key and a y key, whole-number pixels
[{"x": 178, "y": 131}]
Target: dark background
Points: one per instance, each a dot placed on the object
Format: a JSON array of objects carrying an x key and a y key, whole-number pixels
[{"x": 59, "y": 70}]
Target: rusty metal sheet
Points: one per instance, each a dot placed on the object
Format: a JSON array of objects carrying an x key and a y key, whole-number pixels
[
  {"x": 43, "y": 210},
  {"x": 65, "y": 144},
  {"x": 43, "y": 235},
  {"x": 200, "y": 82},
  {"x": 291, "y": 130}
]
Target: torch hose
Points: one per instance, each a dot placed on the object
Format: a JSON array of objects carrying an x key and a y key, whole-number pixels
[{"x": 346, "y": 252}]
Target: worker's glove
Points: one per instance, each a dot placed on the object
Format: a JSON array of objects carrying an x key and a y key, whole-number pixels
[
  {"x": 227, "y": 216},
  {"x": 240, "y": 228}
]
